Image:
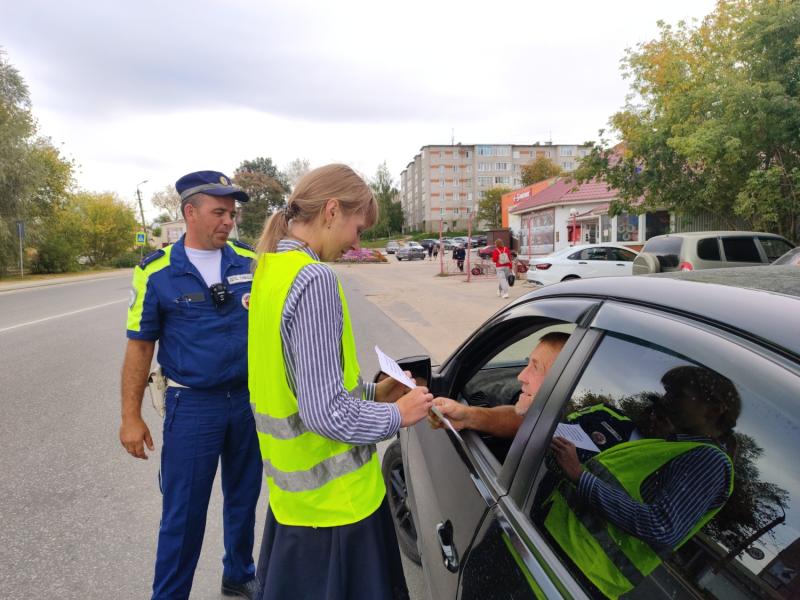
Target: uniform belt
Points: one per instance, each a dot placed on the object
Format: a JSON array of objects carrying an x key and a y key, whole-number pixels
[
  {"x": 175, "y": 384},
  {"x": 223, "y": 389}
]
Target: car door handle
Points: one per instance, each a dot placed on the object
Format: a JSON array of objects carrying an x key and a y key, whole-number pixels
[
  {"x": 620, "y": 264},
  {"x": 582, "y": 262},
  {"x": 444, "y": 533}
]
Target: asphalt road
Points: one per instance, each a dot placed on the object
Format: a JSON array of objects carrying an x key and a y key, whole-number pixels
[{"x": 79, "y": 516}]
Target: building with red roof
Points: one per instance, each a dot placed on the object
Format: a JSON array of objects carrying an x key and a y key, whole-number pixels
[{"x": 566, "y": 213}]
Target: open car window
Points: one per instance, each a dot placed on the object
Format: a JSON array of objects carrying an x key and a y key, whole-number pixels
[{"x": 497, "y": 384}]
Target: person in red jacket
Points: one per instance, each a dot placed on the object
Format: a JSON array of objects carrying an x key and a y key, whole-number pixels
[{"x": 501, "y": 257}]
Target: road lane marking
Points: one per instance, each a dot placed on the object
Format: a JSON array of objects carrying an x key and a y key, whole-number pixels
[
  {"x": 66, "y": 314},
  {"x": 10, "y": 289}
]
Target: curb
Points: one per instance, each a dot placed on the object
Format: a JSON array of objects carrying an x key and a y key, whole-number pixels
[{"x": 10, "y": 287}]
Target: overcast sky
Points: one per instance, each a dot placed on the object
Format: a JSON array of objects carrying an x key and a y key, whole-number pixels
[{"x": 153, "y": 90}]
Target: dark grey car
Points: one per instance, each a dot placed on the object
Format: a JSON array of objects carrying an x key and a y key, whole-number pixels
[
  {"x": 468, "y": 507},
  {"x": 411, "y": 252}
]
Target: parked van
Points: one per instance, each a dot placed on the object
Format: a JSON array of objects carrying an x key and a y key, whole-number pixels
[{"x": 708, "y": 250}]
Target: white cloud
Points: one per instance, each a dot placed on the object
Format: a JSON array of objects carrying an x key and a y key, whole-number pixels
[{"x": 152, "y": 90}]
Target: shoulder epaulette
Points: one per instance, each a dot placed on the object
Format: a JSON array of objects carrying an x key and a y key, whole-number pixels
[
  {"x": 150, "y": 258},
  {"x": 242, "y": 245}
]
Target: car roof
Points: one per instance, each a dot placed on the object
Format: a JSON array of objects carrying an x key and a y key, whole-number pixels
[
  {"x": 761, "y": 302},
  {"x": 704, "y": 234},
  {"x": 603, "y": 245}
]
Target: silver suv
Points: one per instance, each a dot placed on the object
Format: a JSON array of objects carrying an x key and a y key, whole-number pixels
[{"x": 708, "y": 250}]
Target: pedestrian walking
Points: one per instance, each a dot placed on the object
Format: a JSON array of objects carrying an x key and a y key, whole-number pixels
[
  {"x": 328, "y": 531},
  {"x": 430, "y": 250},
  {"x": 460, "y": 255},
  {"x": 192, "y": 297},
  {"x": 501, "y": 257}
]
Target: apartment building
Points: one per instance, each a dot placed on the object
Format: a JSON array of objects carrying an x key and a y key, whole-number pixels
[{"x": 444, "y": 183}]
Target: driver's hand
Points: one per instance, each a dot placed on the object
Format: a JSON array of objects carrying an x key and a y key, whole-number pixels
[{"x": 458, "y": 414}]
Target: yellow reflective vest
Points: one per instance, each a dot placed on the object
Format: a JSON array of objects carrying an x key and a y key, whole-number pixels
[
  {"x": 313, "y": 481},
  {"x": 612, "y": 559}
]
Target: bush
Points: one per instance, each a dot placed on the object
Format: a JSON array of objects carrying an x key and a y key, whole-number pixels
[
  {"x": 126, "y": 260},
  {"x": 56, "y": 254}
]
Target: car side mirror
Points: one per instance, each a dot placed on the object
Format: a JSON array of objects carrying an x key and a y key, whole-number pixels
[{"x": 420, "y": 367}]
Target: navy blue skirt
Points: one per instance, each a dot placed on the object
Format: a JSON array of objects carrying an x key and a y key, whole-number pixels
[{"x": 350, "y": 562}]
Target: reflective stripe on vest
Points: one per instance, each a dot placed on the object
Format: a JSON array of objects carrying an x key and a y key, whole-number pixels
[
  {"x": 321, "y": 473},
  {"x": 292, "y": 426},
  {"x": 612, "y": 559},
  {"x": 596, "y": 408},
  {"x": 313, "y": 481}
]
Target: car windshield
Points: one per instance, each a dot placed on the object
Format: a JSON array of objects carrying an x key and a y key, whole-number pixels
[{"x": 792, "y": 257}]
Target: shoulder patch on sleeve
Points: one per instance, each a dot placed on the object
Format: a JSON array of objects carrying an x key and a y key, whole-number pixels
[
  {"x": 150, "y": 258},
  {"x": 242, "y": 245}
]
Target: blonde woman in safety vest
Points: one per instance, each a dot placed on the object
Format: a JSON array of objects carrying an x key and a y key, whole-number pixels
[{"x": 328, "y": 532}]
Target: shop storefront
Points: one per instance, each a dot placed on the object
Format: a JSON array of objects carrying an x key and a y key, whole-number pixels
[{"x": 537, "y": 232}]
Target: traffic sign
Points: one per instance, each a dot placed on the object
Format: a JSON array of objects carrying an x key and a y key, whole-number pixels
[{"x": 140, "y": 238}]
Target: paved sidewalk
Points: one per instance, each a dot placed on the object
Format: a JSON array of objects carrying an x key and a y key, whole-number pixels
[
  {"x": 439, "y": 312},
  {"x": 9, "y": 284}
]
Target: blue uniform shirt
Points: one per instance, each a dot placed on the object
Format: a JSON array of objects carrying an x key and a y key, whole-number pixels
[{"x": 200, "y": 346}]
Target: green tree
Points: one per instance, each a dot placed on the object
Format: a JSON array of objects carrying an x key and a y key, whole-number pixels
[
  {"x": 713, "y": 121},
  {"x": 60, "y": 242},
  {"x": 163, "y": 218},
  {"x": 169, "y": 201},
  {"x": 390, "y": 212},
  {"x": 108, "y": 225},
  {"x": 538, "y": 170},
  {"x": 34, "y": 177},
  {"x": 489, "y": 210},
  {"x": 267, "y": 188}
]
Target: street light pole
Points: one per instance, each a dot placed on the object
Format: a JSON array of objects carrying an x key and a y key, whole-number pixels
[{"x": 141, "y": 212}]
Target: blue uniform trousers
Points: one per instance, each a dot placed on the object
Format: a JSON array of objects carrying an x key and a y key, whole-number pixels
[{"x": 200, "y": 428}]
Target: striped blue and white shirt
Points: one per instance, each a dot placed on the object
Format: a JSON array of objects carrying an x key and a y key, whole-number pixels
[
  {"x": 675, "y": 497},
  {"x": 311, "y": 333}
]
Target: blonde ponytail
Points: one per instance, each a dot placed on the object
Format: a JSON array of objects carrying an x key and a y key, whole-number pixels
[
  {"x": 276, "y": 228},
  {"x": 308, "y": 201}
]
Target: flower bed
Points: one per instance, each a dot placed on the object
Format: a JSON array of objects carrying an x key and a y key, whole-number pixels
[{"x": 364, "y": 255}]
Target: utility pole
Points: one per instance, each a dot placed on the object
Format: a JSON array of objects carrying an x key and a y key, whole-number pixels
[
  {"x": 21, "y": 235},
  {"x": 141, "y": 212}
]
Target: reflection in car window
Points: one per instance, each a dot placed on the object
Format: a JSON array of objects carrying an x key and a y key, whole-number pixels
[
  {"x": 594, "y": 254},
  {"x": 774, "y": 247},
  {"x": 620, "y": 254},
  {"x": 626, "y": 401}
]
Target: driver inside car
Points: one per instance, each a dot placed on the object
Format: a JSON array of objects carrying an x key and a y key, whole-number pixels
[{"x": 504, "y": 421}]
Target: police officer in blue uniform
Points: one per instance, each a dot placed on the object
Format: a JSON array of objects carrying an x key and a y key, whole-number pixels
[{"x": 192, "y": 297}]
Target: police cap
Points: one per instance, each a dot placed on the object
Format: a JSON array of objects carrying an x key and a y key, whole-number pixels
[{"x": 212, "y": 183}]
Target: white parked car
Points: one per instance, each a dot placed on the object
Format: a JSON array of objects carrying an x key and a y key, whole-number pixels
[{"x": 581, "y": 262}]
